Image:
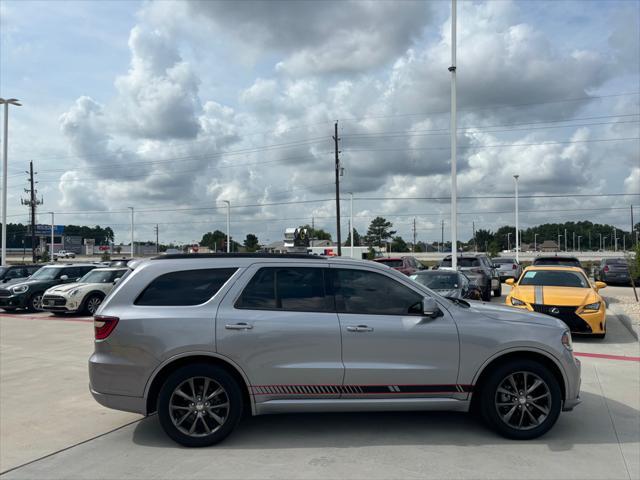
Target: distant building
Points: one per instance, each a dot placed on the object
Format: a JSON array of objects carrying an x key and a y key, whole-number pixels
[{"x": 549, "y": 246}]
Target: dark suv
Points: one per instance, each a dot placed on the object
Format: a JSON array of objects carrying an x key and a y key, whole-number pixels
[
  {"x": 481, "y": 272},
  {"x": 406, "y": 264},
  {"x": 15, "y": 273},
  {"x": 557, "y": 261},
  {"x": 27, "y": 294},
  {"x": 613, "y": 270}
]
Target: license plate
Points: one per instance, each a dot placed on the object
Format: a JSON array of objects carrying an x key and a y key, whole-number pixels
[{"x": 495, "y": 283}]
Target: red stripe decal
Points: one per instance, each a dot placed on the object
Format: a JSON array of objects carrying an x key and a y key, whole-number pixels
[{"x": 608, "y": 357}]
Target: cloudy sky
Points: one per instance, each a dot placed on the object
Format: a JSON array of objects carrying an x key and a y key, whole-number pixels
[{"x": 172, "y": 107}]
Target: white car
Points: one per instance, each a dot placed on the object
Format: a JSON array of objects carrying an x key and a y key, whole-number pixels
[
  {"x": 84, "y": 296},
  {"x": 64, "y": 254}
]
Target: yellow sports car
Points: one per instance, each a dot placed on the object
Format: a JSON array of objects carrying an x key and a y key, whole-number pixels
[{"x": 564, "y": 293}]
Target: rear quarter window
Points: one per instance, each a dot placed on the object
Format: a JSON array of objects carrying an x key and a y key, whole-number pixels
[{"x": 184, "y": 288}]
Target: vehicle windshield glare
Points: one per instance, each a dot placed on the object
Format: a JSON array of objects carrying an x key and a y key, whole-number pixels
[
  {"x": 554, "y": 278},
  {"x": 46, "y": 274},
  {"x": 96, "y": 276},
  {"x": 463, "y": 262},
  {"x": 436, "y": 280}
]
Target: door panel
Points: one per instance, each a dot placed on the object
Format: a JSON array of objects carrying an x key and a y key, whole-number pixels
[
  {"x": 396, "y": 352},
  {"x": 285, "y": 351}
]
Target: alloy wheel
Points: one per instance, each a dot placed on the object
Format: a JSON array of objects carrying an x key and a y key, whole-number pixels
[
  {"x": 199, "y": 407},
  {"x": 523, "y": 400},
  {"x": 92, "y": 304},
  {"x": 36, "y": 302}
]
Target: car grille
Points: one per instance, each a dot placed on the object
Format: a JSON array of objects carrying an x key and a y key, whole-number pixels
[
  {"x": 53, "y": 300},
  {"x": 567, "y": 314},
  {"x": 5, "y": 293}
]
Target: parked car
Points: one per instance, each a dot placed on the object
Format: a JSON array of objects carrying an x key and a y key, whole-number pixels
[
  {"x": 119, "y": 262},
  {"x": 15, "y": 273},
  {"x": 479, "y": 269},
  {"x": 556, "y": 260},
  {"x": 405, "y": 264},
  {"x": 613, "y": 270},
  {"x": 564, "y": 293},
  {"x": 64, "y": 254},
  {"x": 84, "y": 296},
  {"x": 202, "y": 338},
  {"x": 507, "y": 268},
  {"x": 449, "y": 284},
  {"x": 27, "y": 294}
]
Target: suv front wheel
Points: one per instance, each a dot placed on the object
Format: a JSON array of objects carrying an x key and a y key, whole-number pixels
[
  {"x": 199, "y": 405},
  {"x": 521, "y": 400}
]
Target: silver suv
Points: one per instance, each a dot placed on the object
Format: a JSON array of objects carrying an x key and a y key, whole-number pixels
[{"x": 203, "y": 338}]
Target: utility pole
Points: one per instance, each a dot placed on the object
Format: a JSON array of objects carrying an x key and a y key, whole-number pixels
[
  {"x": 454, "y": 137},
  {"x": 579, "y": 243},
  {"x": 475, "y": 243},
  {"x": 565, "y": 239},
  {"x": 442, "y": 239},
  {"x": 574, "y": 242},
  {"x": 615, "y": 239},
  {"x": 632, "y": 225},
  {"x": 517, "y": 226},
  {"x": 413, "y": 246},
  {"x": 351, "y": 224},
  {"x": 228, "y": 225},
  {"x": 32, "y": 202},
  {"x": 338, "y": 172},
  {"x": 157, "y": 230},
  {"x": 51, "y": 253},
  {"x": 313, "y": 230}
]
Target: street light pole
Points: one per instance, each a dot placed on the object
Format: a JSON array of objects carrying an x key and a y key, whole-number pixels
[
  {"x": 228, "y": 225},
  {"x": 565, "y": 239},
  {"x": 509, "y": 241},
  {"x": 453, "y": 131},
  {"x": 535, "y": 242},
  {"x": 579, "y": 243},
  {"x": 51, "y": 255},
  {"x": 351, "y": 223},
  {"x": 517, "y": 226},
  {"x": 7, "y": 102},
  {"x": 132, "y": 226}
]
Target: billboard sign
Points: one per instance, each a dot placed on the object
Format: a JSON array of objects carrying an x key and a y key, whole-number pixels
[{"x": 45, "y": 230}]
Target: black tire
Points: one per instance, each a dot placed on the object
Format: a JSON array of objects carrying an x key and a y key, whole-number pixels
[
  {"x": 498, "y": 292},
  {"x": 551, "y": 402},
  {"x": 9, "y": 309},
  {"x": 199, "y": 373},
  {"x": 486, "y": 293},
  {"x": 59, "y": 314},
  {"x": 91, "y": 304},
  {"x": 34, "y": 304}
]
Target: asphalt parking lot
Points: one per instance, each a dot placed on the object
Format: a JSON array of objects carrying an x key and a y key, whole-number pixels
[{"x": 52, "y": 428}]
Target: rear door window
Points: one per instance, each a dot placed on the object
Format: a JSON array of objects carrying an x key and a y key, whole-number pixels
[
  {"x": 287, "y": 288},
  {"x": 188, "y": 287}
]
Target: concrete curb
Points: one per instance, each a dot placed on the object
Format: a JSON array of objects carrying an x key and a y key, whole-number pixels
[{"x": 625, "y": 319}]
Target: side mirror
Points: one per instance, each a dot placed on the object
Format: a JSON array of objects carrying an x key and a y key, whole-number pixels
[
  {"x": 510, "y": 281},
  {"x": 116, "y": 280},
  {"x": 64, "y": 278},
  {"x": 430, "y": 307},
  {"x": 600, "y": 285}
]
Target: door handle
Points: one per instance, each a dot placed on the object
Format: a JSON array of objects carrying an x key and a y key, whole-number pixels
[
  {"x": 359, "y": 328},
  {"x": 238, "y": 326}
]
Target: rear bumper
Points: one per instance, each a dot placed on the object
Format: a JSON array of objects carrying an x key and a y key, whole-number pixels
[{"x": 120, "y": 402}]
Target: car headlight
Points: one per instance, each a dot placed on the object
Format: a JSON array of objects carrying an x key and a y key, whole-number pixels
[
  {"x": 20, "y": 289},
  {"x": 592, "y": 306},
  {"x": 516, "y": 302},
  {"x": 567, "y": 341}
]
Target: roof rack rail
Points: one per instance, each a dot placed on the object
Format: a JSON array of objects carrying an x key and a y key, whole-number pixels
[{"x": 178, "y": 256}]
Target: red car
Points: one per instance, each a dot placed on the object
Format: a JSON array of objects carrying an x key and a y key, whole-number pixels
[{"x": 406, "y": 265}]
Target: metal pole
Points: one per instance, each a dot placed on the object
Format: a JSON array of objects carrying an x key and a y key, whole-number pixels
[
  {"x": 579, "y": 243},
  {"x": 52, "y": 221},
  {"x": 574, "y": 241},
  {"x": 453, "y": 131},
  {"x": 132, "y": 227},
  {"x": 565, "y": 239},
  {"x": 228, "y": 225},
  {"x": 351, "y": 223},
  {"x": 517, "y": 226},
  {"x": 509, "y": 241},
  {"x": 4, "y": 184},
  {"x": 535, "y": 242},
  {"x": 336, "y": 140}
]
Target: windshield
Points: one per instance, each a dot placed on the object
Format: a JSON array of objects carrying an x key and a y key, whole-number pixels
[
  {"x": 105, "y": 276},
  {"x": 502, "y": 261},
  {"x": 437, "y": 280},
  {"x": 390, "y": 262},
  {"x": 46, "y": 274},
  {"x": 463, "y": 262},
  {"x": 552, "y": 278},
  {"x": 565, "y": 262}
]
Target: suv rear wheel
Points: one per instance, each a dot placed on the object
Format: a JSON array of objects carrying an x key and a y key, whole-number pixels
[
  {"x": 199, "y": 405},
  {"x": 521, "y": 400},
  {"x": 498, "y": 291}
]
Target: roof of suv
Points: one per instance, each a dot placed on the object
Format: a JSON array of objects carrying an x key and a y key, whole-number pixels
[
  {"x": 69, "y": 265},
  {"x": 178, "y": 256}
]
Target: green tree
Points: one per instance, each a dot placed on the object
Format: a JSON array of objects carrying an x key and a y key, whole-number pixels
[
  {"x": 317, "y": 234},
  {"x": 251, "y": 242},
  {"x": 216, "y": 241},
  {"x": 379, "y": 232},
  {"x": 356, "y": 239},
  {"x": 399, "y": 245}
]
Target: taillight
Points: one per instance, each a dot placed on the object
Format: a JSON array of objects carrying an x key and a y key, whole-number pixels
[
  {"x": 103, "y": 326},
  {"x": 606, "y": 268}
]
